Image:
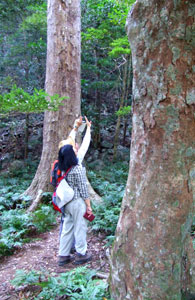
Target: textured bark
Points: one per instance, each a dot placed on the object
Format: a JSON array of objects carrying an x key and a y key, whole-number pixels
[
  {"x": 94, "y": 197},
  {"x": 26, "y": 138},
  {"x": 122, "y": 102},
  {"x": 63, "y": 78},
  {"x": 151, "y": 258},
  {"x": 35, "y": 202}
]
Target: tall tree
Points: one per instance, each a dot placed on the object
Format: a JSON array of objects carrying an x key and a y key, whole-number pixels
[
  {"x": 151, "y": 257},
  {"x": 22, "y": 44},
  {"x": 63, "y": 78}
]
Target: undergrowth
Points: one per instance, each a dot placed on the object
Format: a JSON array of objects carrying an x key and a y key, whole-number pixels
[
  {"x": 80, "y": 283},
  {"x": 110, "y": 184},
  {"x": 16, "y": 224}
]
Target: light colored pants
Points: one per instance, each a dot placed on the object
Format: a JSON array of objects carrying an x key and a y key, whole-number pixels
[{"x": 74, "y": 226}]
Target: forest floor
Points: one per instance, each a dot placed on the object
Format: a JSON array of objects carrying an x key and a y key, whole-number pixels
[{"x": 42, "y": 254}]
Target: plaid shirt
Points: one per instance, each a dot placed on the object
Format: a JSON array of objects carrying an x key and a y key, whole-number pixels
[{"x": 76, "y": 178}]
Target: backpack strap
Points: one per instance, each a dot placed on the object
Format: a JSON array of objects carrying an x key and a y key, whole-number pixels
[
  {"x": 54, "y": 194},
  {"x": 55, "y": 173},
  {"x": 62, "y": 177}
]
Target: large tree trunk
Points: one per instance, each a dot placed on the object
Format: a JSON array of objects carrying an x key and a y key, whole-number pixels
[
  {"x": 150, "y": 258},
  {"x": 123, "y": 96},
  {"x": 63, "y": 78}
]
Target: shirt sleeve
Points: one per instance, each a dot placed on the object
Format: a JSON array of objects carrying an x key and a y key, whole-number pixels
[
  {"x": 72, "y": 134},
  {"x": 81, "y": 182},
  {"x": 84, "y": 146}
]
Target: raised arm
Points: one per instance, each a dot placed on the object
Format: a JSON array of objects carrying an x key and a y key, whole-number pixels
[
  {"x": 77, "y": 123},
  {"x": 71, "y": 137},
  {"x": 85, "y": 143}
]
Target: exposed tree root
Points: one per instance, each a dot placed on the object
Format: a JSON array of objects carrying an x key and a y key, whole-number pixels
[{"x": 36, "y": 202}]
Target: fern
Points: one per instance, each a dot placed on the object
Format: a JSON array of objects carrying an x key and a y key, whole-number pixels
[
  {"x": 24, "y": 278},
  {"x": 44, "y": 218},
  {"x": 76, "y": 284},
  {"x": 110, "y": 184},
  {"x": 17, "y": 224}
]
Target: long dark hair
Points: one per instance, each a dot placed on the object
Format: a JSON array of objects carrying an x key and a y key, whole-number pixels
[{"x": 66, "y": 158}]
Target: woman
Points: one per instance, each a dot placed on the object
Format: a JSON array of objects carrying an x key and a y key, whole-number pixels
[
  {"x": 74, "y": 226},
  {"x": 79, "y": 151}
]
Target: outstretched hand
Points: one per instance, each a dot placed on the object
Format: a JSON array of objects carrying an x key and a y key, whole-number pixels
[
  {"x": 88, "y": 122},
  {"x": 78, "y": 122}
]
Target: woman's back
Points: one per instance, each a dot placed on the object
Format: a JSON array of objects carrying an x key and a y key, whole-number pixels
[{"x": 76, "y": 178}]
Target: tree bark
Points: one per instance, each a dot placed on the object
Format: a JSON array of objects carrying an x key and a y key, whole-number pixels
[
  {"x": 26, "y": 138},
  {"x": 63, "y": 78},
  {"x": 128, "y": 93},
  {"x": 150, "y": 257},
  {"x": 97, "y": 104},
  {"x": 122, "y": 101},
  {"x": 94, "y": 197}
]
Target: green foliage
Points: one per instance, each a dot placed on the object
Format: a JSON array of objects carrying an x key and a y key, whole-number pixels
[
  {"x": 105, "y": 52},
  {"x": 13, "y": 183},
  {"x": 120, "y": 46},
  {"x": 11, "y": 199},
  {"x": 110, "y": 184},
  {"x": 8, "y": 8},
  {"x": 17, "y": 225},
  {"x": 79, "y": 283},
  {"x": 20, "y": 101},
  {"x": 44, "y": 217},
  {"x": 24, "y": 278},
  {"x": 120, "y": 11},
  {"x": 107, "y": 215},
  {"x": 37, "y": 20},
  {"x": 123, "y": 111},
  {"x": 104, "y": 47},
  {"x": 94, "y": 34},
  {"x": 100, "y": 39},
  {"x": 14, "y": 220},
  {"x": 23, "y": 43}
]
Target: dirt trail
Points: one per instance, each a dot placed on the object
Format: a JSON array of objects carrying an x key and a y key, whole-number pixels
[{"x": 43, "y": 254}]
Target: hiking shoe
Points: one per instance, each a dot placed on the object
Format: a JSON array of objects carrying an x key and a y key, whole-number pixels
[
  {"x": 63, "y": 260},
  {"x": 81, "y": 259}
]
